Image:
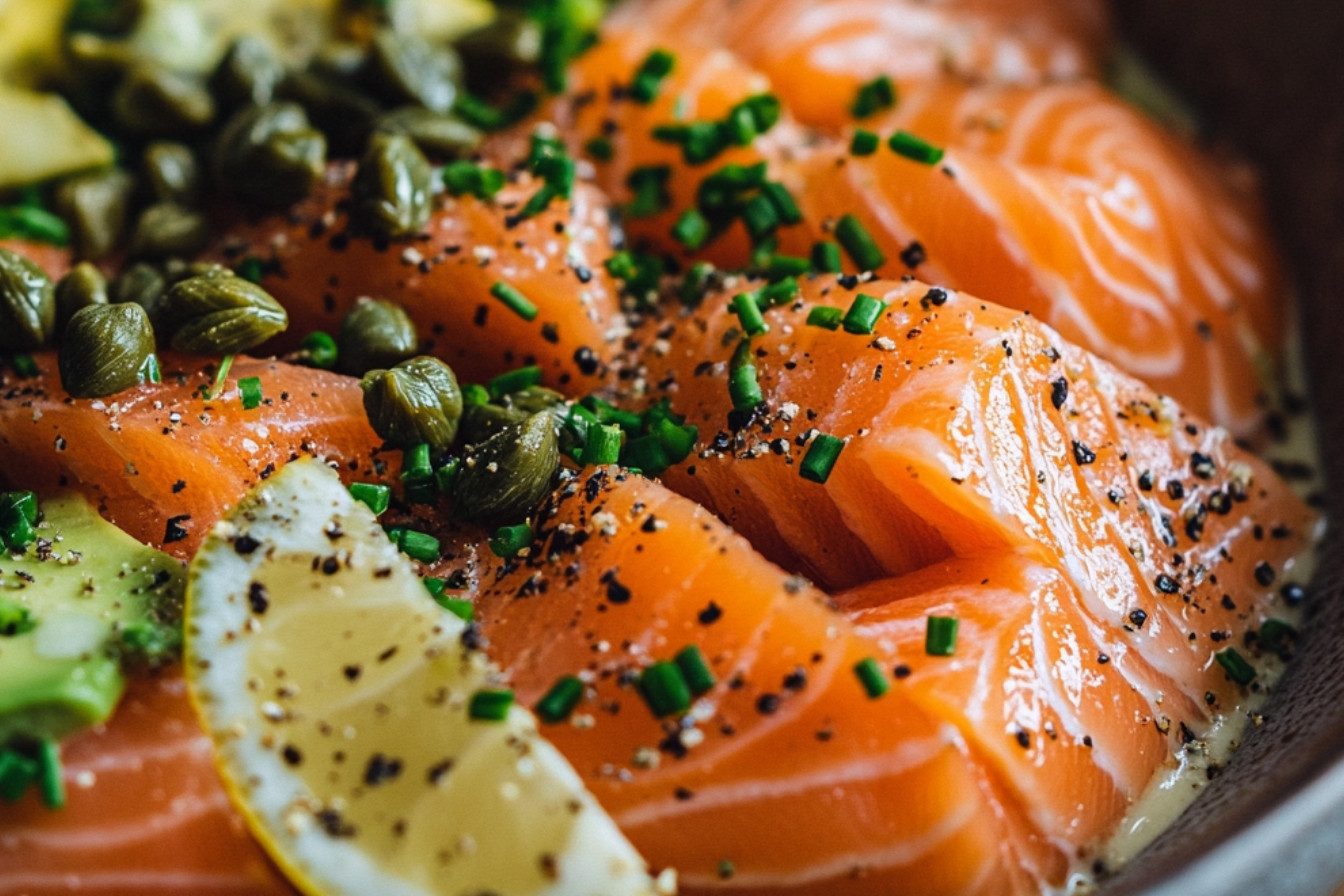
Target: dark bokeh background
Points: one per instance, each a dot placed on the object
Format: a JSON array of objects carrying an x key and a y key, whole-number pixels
[{"x": 1269, "y": 77}]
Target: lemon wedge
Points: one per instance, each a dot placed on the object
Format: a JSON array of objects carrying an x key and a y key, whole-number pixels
[{"x": 337, "y": 694}]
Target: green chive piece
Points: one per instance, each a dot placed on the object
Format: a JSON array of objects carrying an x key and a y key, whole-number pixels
[
  {"x": 609, "y": 413},
  {"x": 249, "y": 389},
  {"x": 29, "y": 222},
  {"x": 149, "y": 369},
  {"x": 649, "y": 185},
  {"x": 691, "y": 292},
  {"x": 446, "y": 475},
  {"x": 940, "y": 635},
  {"x": 692, "y": 229},
  {"x": 49, "y": 780},
  {"x": 749, "y": 314},
  {"x": 694, "y": 669},
  {"x": 743, "y": 387},
  {"x": 873, "y": 96},
  {"x": 780, "y": 293},
  {"x": 19, "y": 504},
  {"x": 514, "y": 300},
  {"x": 435, "y": 587},
  {"x": 645, "y": 454},
  {"x": 15, "y": 618},
  {"x": 419, "y": 546},
  {"x": 678, "y": 439},
  {"x": 665, "y": 689},
  {"x": 649, "y": 76},
  {"x": 18, "y": 516},
  {"x": 224, "y": 364},
  {"x": 17, "y": 772},
  {"x": 781, "y": 200},
  {"x": 461, "y": 177},
  {"x": 480, "y": 114},
  {"x": 825, "y": 316},
  {"x": 826, "y": 258},
  {"x": 460, "y": 607},
  {"x": 858, "y": 244},
  {"x": 508, "y": 541},
  {"x": 864, "y": 143},
  {"x": 906, "y": 144},
  {"x": 1235, "y": 665},
  {"x": 319, "y": 350},
  {"x": 25, "y": 366},
  {"x": 415, "y": 461},
  {"x": 250, "y": 269},
  {"x": 514, "y": 381},
  {"x": 783, "y": 267},
  {"x": 759, "y": 217},
  {"x": 863, "y": 313},
  {"x": 1275, "y": 634},
  {"x": 727, "y": 868},
  {"x": 765, "y": 110},
  {"x": 375, "y": 497},
  {"x": 820, "y": 458},
  {"x": 475, "y": 393},
  {"x": 599, "y": 148},
  {"x": 560, "y": 700},
  {"x": 490, "y": 705},
  {"x": 602, "y": 446},
  {"x": 870, "y": 675},
  {"x": 739, "y": 126}
]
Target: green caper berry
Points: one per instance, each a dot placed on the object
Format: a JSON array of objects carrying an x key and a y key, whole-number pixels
[
  {"x": 171, "y": 173},
  {"x": 434, "y": 133},
  {"x": 27, "y": 304},
  {"x": 152, "y": 101},
  {"x": 95, "y": 206},
  {"x": 481, "y": 421},
  {"x": 511, "y": 40},
  {"x": 416, "y": 402},
  {"x": 508, "y": 475},
  {"x": 344, "y": 115},
  {"x": 143, "y": 284},
  {"x": 175, "y": 270},
  {"x": 375, "y": 333},
  {"x": 214, "y": 315},
  {"x": 105, "y": 349},
  {"x": 392, "y": 188},
  {"x": 248, "y": 74},
  {"x": 167, "y": 229},
  {"x": 82, "y": 286},
  {"x": 406, "y": 68},
  {"x": 269, "y": 155}
]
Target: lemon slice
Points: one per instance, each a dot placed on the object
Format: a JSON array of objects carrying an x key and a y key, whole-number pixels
[{"x": 336, "y": 692}]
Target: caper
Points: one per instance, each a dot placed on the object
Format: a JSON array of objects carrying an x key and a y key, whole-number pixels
[
  {"x": 269, "y": 155},
  {"x": 406, "y": 68},
  {"x": 152, "y": 101},
  {"x": 27, "y": 304},
  {"x": 82, "y": 286},
  {"x": 143, "y": 284},
  {"x": 167, "y": 228},
  {"x": 171, "y": 173},
  {"x": 345, "y": 115},
  {"x": 416, "y": 402},
  {"x": 175, "y": 270},
  {"x": 508, "y": 475},
  {"x": 248, "y": 74},
  {"x": 435, "y": 133},
  {"x": 95, "y": 207},
  {"x": 391, "y": 191},
  {"x": 105, "y": 349},
  {"x": 481, "y": 421},
  {"x": 374, "y": 333},
  {"x": 212, "y": 315},
  {"x": 511, "y": 40}
]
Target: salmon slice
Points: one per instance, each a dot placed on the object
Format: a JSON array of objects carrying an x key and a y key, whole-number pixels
[
  {"x": 443, "y": 278},
  {"x": 974, "y": 428},
  {"x": 817, "y": 53},
  {"x": 785, "y": 777},
  {"x": 165, "y": 464},
  {"x": 145, "y": 813}
]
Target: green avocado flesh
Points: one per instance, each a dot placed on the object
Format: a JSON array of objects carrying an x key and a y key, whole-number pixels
[{"x": 88, "y": 590}]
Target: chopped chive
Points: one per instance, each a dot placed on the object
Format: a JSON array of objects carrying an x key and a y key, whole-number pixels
[
  {"x": 514, "y": 381},
  {"x": 539, "y": 201},
  {"x": 863, "y": 313},
  {"x": 514, "y": 300},
  {"x": 749, "y": 314},
  {"x": 435, "y": 587},
  {"x": 692, "y": 229},
  {"x": 149, "y": 370},
  {"x": 760, "y": 217},
  {"x": 18, "y": 516},
  {"x": 858, "y": 244},
  {"x": 701, "y": 141},
  {"x": 25, "y": 366},
  {"x": 475, "y": 393},
  {"x": 319, "y": 350},
  {"x": 780, "y": 293},
  {"x": 462, "y": 177},
  {"x": 873, "y": 96},
  {"x": 906, "y": 144},
  {"x": 649, "y": 76},
  {"x": 375, "y": 497},
  {"x": 560, "y": 700},
  {"x": 415, "y": 461},
  {"x": 677, "y": 439},
  {"x": 821, "y": 456},
  {"x": 782, "y": 267},
  {"x": 739, "y": 126},
  {"x": 419, "y": 545},
  {"x": 691, "y": 292},
  {"x": 765, "y": 110},
  {"x": 826, "y": 317},
  {"x": 1235, "y": 665},
  {"x": 646, "y": 454},
  {"x": 249, "y": 389},
  {"x": 15, "y": 618},
  {"x": 49, "y": 780},
  {"x": 743, "y": 387},
  {"x": 940, "y": 635},
  {"x": 17, "y": 772},
  {"x": 30, "y": 222},
  {"x": 694, "y": 669},
  {"x": 602, "y": 445},
  {"x": 224, "y": 364},
  {"x": 781, "y": 200},
  {"x": 250, "y": 269},
  {"x": 606, "y": 412},
  {"x": 665, "y": 689},
  {"x": 508, "y": 541},
  {"x": 1276, "y": 633},
  {"x": 460, "y": 607},
  {"x": 490, "y": 705},
  {"x": 864, "y": 143},
  {"x": 19, "y": 503},
  {"x": 599, "y": 148},
  {"x": 649, "y": 184},
  {"x": 870, "y": 675},
  {"x": 480, "y": 114},
  {"x": 826, "y": 258}
]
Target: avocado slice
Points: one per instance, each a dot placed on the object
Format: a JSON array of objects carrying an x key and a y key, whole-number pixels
[{"x": 79, "y": 607}]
